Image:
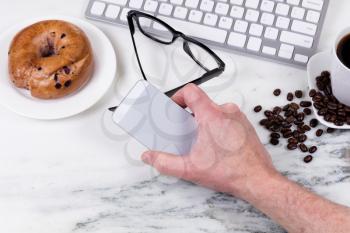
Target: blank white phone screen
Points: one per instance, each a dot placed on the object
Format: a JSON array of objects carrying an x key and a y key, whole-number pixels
[{"x": 155, "y": 120}]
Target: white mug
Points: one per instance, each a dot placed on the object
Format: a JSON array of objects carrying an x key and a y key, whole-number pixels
[{"x": 340, "y": 73}]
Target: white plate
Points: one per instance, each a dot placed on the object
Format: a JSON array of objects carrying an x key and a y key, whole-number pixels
[
  {"x": 318, "y": 63},
  {"x": 20, "y": 100}
]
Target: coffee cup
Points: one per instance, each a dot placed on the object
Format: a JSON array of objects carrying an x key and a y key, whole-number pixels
[{"x": 341, "y": 67}]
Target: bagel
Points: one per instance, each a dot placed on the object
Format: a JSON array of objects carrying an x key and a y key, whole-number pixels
[{"x": 51, "y": 59}]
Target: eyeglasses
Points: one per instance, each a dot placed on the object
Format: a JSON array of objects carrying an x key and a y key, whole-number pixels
[{"x": 159, "y": 31}]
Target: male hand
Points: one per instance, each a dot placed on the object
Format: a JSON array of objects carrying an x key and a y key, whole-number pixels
[{"x": 227, "y": 155}]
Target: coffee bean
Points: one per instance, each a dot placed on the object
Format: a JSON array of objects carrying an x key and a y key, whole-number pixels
[
  {"x": 308, "y": 159},
  {"x": 298, "y": 94},
  {"x": 288, "y": 134},
  {"x": 306, "y": 128},
  {"x": 66, "y": 69},
  {"x": 257, "y": 108},
  {"x": 277, "y": 110},
  {"x": 293, "y": 141},
  {"x": 303, "y": 147},
  {"x": 330, "y": 130},
  {"x": 290, "y": 96},
  {"x": 305, "y": 104},
  {"x": 58, "y": 85},
  {"x": 312, "y": 93},
  {"x": 292, "y": 146},
  {"x": 277, "y": 92},
  {"x": 319, "y": 132},
  {"x": 302, "y": 138},
  {"x": 307, "y": 111},
  {"x": 264, "y": 122},
  {"x": 312, "y": 149},
  {"x": 313, "y": 123},
  {"x": 268, "y": 113},
  {"x": 275, "y": 135},
  {"x": 300, "y": 116},
  {"x": 274, "y": 141},
  {"x": 325, "y": 74}
]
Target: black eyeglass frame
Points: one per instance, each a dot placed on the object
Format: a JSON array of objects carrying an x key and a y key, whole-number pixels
[{"x": 133, "y": 14}]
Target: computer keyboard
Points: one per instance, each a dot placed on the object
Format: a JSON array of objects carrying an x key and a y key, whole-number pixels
[{"x": 286, "y": 31}]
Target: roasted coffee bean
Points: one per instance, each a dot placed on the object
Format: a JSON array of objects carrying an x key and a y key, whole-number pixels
[
  {"x": 322, "y": 112},
  {"x": 277, "y": 110},
  {"x": 289, "y": 113},
  {"x": 285, "y": 130},
  {"x": 318, "y": 106},
  {"x": 325, "y": 74},
  {"x": 293, "y": 141},
  {"x": 332, "y": 106},
  {"x": 312, "y": 149},
  {"x": 303, "y": 148},
  {"x": 68, "y": 83},
  {"x": 294, "y": 106},
  {"x": 288, "y": 134},
  {"x": 312, "y": 93},
  {"x": 319, "y": 132},
  {"x": 277, "y": 92},
  {"x": 290, "y": 96},
  {"x": 285, "y": 107},
  {"x": 330, "y": 130},
  {"x": 305, "y": 104},
  {"x": 275, "y": 135},
  {"x": 257, "y": 108},
  {"x": 268, "y": 113},
  {"x": 296, "y": 134},
  {"x": 298, "y": 94},
  {"x": 308, "y": 159},
  {"x": 307, "y": 111},
  {"x": 298, "y": 123},
  {"x": 306, "y": 128},
  {"x": 292, "y": 146},
  {"x": 313, "y": 123},
  {"x": 290, "y": 119},
  {"x": 302, "y": 138},
  {"x": 286, "y": 125},
  {"x": 300, "y": 116},
  {"x": 58, "y": 85},
  {"x": 274, "y": 141},
  {"x": 339, "y": 123},
  {"x": 301, "y": 130}
]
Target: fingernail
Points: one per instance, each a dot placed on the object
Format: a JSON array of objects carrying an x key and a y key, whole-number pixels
[{"x": 146, "y": 157}]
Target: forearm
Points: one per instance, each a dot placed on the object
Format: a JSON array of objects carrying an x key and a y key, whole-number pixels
[{"x": 295, "y": 208}]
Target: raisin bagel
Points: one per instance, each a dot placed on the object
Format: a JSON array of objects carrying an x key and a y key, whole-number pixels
[{"x": 51, "y": 58}]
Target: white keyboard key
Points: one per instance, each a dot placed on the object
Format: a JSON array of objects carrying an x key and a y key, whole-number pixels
[
  {"x": 124, "y": 14},
  {"x": 254, "y": 44},
  {"x": 135, "y": 4},
  {"x": 197, "y": 30},
  {"x": 252, "y": 15},
  {"x": 195, "y": 16},
  {"x": 237, "y": 12},
  {"x": 252, "y": 3},
  {"x": 240, "y": 26},
  {"x": 256, "y": 29},
  {"x": 301, "y": 58},
  {"x": 282, "y": 9},
  {"x": 282, "y": 22},
  {"x": 269, "y": 50},
  {"x": 267, "y": 19},
  {"x": 237, "y": 39},
  {"x": 221, "y": 8},
  {"x": 298, "y": 13},
  {"x": 192, "y": 3},
  {"x": 313, "y": 4},
  {"x": 267, "y": 5},
  {"x": 313, "y": 16},
  {"x": 119, "y": 2},
  {"x": 225, "y": 22},
  {"x": 112, "y": 11},
  {"x": 180, "y": 12},
  {"x": 207, "y": 5},
  {"x": 293, "y": 2},
  {"x": 165, "y": 9},
  {"x": 177, "y": 2},
  {"x": 98, "y": 8},
  {"x": 286, "y": 51},
  {"x": 150, "y": 5},
  {"x": 210, "y": 19},
  {"x": 237, "y": 2},
  {"x": 271, "y": 33},
  {"x": 303, "y": 27},
  {"x": 296, "y": 39}
]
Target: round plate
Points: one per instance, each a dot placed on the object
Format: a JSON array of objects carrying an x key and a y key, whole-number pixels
[
  {"x": 318, "y": 63},
  {"x": 20, "y": 100}
]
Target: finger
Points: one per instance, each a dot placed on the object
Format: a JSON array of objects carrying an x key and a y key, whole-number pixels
[
  {"x": 230, "y": 108},
  {"x": 166, "y": 164},
  {"x": 193, "y": 97}
]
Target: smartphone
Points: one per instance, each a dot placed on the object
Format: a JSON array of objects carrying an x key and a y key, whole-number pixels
[{"x": 155, "y": 120}]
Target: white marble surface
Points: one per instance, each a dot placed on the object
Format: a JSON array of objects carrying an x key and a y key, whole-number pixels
[{"x": 81, "y": 175}]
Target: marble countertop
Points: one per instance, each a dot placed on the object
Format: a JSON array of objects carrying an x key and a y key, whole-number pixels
[{"x": 82, "y": 174}]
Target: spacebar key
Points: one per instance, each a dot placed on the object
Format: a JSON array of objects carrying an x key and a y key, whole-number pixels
[{"x": 196, "y": 30}]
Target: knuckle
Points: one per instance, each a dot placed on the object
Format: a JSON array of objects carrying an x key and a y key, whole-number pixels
[
  {"x": 191, "y": 87},
  {"x": 231, "y": 108}
]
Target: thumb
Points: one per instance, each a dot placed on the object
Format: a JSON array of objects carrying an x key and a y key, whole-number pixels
[{"x": 165, "y": 163}]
